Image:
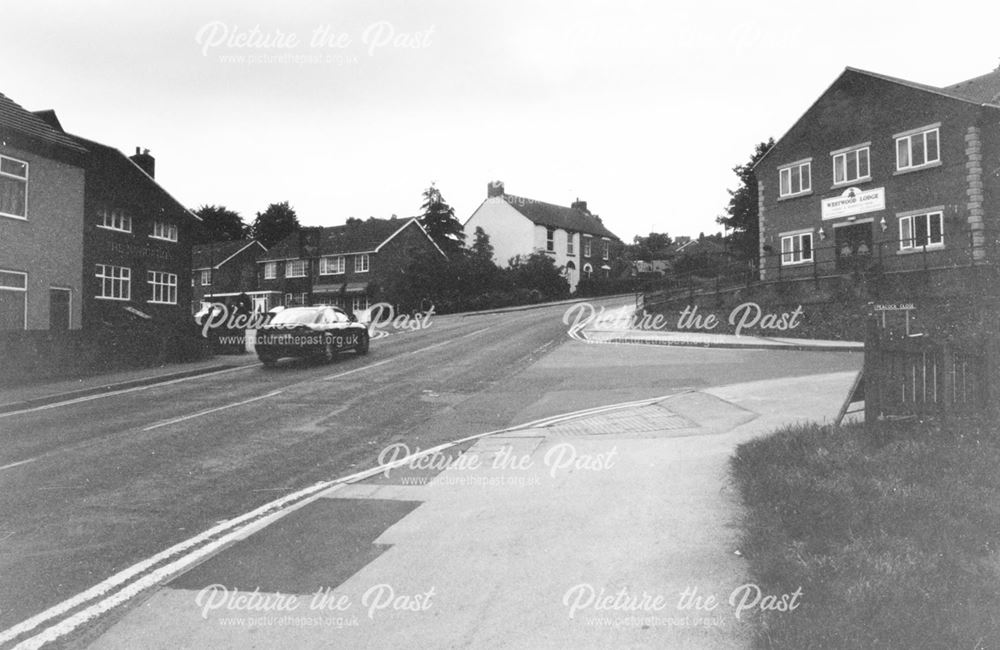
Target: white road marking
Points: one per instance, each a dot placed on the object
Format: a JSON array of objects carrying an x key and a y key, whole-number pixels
[
  {"x": 112, "y": 393},
  {"x": 242, "y": 525},
  {"x": 213, "y": 410},
  {"x": 20, "y": 462}
]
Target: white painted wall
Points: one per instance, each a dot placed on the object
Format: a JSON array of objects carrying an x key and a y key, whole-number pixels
[
  {"x": 511, "y": 233},
  {"x": 561, "y": 257}
]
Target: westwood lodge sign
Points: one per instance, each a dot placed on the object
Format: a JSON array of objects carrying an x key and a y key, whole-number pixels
[{"x": 854, "y": 201}]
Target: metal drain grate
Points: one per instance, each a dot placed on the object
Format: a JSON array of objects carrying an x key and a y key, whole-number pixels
[{"x": 646, "y": 419}]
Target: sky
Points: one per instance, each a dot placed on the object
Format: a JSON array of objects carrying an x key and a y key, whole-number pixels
[{"x": 353, "y": 108}]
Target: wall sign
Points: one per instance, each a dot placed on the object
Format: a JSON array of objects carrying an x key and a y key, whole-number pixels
[{"x": 853, "y": 201}]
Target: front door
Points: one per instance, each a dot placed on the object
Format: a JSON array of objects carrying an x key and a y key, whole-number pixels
[
  {"x": 59, "y": 308},
  {"x": 854, "y": 246}
]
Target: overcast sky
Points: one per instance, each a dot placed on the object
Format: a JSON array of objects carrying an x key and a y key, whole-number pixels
[{"x": 639, "y": 108}]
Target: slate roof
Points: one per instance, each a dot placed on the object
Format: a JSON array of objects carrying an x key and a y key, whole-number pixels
[
  {"x": 557, "y": 216},
  {"x": 14, "y": 117},
  {"x": 984, "y": 88},
  {"x": 204, "y": 256}
]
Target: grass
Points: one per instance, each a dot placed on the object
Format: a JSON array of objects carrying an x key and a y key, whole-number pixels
[{"x": 893, "y": 534}]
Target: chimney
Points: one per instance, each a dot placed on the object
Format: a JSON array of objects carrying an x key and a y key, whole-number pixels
[
  {"x": 579, "y": 205},
  {"x": 146, "y": 162},
  {"x": 494, "y": 188}
]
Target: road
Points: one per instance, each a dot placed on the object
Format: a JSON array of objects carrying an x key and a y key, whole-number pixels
[{"x": 90, "y": 488}]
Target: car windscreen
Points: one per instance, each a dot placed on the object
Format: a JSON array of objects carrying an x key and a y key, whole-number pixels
[{"x": 293, "y": 316}]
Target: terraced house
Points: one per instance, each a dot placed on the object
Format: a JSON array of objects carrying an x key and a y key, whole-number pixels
[
  {"x": 342, "y": 265},
  {"x": 883, "y": 173},
  {"x": 576, "y": 239}
]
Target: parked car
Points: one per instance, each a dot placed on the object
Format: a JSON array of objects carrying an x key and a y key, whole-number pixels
[{"x": 310, "y": 332}]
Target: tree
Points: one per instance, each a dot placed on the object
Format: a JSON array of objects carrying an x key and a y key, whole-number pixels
[
  {"x": 274, "y": 224},
  {"x": 538, "y": 272},
  {"x": 481, "y": 247},
  {"x": 648, "y": 248},
  {"x": 438, "y": 219},
  {"x": 742, "y": 215},
  {"x": 219, "y": 223}
]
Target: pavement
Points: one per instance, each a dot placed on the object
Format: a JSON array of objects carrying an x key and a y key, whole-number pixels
[
  {"x": 32, "y": 395},
  {"x": 610, "y": 527},
  {"x": 711, "y": 340}
]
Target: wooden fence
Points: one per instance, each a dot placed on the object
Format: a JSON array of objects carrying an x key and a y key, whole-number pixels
[{"x": 917, "y": 377}]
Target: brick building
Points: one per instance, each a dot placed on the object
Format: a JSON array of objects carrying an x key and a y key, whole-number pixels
[
  {"x": 576, "y": 239},
  {"x": 342, "y": 265},
  {"x": 221, "y": 271},
  {"x": 41, "y": 222},
  {"x": 883, "y": 173}
]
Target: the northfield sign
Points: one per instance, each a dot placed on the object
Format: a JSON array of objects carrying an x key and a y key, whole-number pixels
[{"x": 854, "y": 201}]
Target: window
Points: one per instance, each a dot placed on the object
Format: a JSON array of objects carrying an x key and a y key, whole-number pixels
[
  {"x": 919, "y": 230},
  {"x": 332, "y": 265},
  {"x": 795, "y": 178},
  {"x": 206, "y": 277},
  {"x": 162, "y": 230},
  {"x": 13, "y": 188},
  {"x": 796, "y": 249},
  {"x": 163, "y": 287},
  {"x": 295, "y": 269},
  {"x": 361, "y": 263},
  {"x": 569, "y": 244},
  {"x": 115, "y": 219},
  {"x": 851, "y": 166},
  {"x": 13, "y": 300},
  {"x": 917, "y": 149},
  {"x": 586, "y": 246},
  {"x": 270, "y": 270},
  {"x": 605, "y": 249},
  {"x": 550, "y": 240},
  {"x": 359, "y": 303},
  {"x": 116, "y": 282}
]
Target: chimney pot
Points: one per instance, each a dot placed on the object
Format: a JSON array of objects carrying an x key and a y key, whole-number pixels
[
  {"x": 145, "y": 161},
  {"x": 494, "y": 189}
]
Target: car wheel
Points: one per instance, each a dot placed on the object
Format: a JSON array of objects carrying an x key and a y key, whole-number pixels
[
  {"x": 362, "y": 348},
  {"x": 328, "y": 352}
]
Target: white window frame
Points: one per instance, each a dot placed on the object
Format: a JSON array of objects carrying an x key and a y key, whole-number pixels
[
  {"x": 907, "y": 230},
  {"x": 164, "y": 230},
  {"x": 605, "y": 249},
  {"x": 550, "y": 240},
  {"x": 908, "y": 137},
  {"x": 588, "y": 246},
  {"x": 119, "y": 276},
  {"x": 805, "y": 181},
  {"x": 116, "y": 219},
  {"x": 570, "y": 249},
  {"x": 359, "y": 303},
  {"x": 332, "y": 265},
  {"x": 22, "y": 290},
  {"x": 270, "y": 270},
  {"x": 163, "y": 287},
  {"x": 361, "y": 263},
  {"x": 22, "y": 179},
  {"x": 205, "y": 277},
  {"x": 293, "y": 264},
  {"x": 843, "y": 157},
  {"x": 793, "y": 253}
]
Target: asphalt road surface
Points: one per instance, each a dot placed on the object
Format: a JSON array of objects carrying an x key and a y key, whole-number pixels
[{"x": 93, "y": 487}]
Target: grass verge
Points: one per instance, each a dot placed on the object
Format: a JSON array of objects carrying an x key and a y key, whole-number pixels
[{"x": 893, "y": 534}]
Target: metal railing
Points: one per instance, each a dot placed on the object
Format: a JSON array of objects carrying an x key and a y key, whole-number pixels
[{"x": 720, "y": 272}]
